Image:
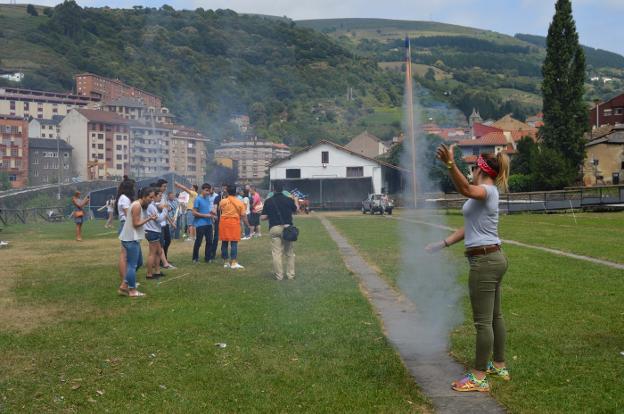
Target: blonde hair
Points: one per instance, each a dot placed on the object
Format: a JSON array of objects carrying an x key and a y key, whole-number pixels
[
  {"x": 502, "y": 178},
  {"x": 499, "y": 163}
]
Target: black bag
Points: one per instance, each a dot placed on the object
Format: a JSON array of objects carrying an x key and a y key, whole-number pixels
[{"x": 290, "y": 233}]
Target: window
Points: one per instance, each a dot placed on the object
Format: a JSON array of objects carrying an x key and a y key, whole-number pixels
[
  {"x": 325, "y": 157},
  {"x": 607, "y": 112},
  {"x": 101, "y": 146},
  {"x": 622, "y": 166},
  {"x": 293, "y": 173},
  {"x": 619, "y": 111},
  {"x": 119, "y": 166},
  {"x": 100, "y": 136},
  {"x": 355, "y": 171}
]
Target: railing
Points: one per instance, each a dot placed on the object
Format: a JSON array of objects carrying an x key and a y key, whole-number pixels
[{"x": 33, "y": 215}]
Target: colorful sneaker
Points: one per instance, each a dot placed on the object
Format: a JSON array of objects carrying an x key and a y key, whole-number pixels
[
  {"x": 470, "y": 383},
  {"x": 498, "y": 372}
]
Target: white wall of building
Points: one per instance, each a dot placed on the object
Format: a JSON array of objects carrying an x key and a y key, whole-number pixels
[
  {"x": 309, "y": 162},
  {"x": 74, "y": 132}
]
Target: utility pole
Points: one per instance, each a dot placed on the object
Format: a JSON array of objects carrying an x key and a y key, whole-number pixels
[
  {"x": 59, "y": 172},
  {"x": 410, "y": 115}
]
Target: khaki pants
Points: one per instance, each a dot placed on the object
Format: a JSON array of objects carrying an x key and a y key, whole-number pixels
[{"x": 281, "y": 248}]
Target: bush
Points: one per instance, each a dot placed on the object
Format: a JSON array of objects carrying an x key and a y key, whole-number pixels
[
  {"x": 519, "y": 183},
  {"x": 30, "y": 9}
]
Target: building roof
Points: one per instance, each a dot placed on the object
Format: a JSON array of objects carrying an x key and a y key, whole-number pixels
[
  {"x": 104, "y": 117},
  {"x": 127, "y": 102},
  {"x": 480, "y": 129},
  {"x": 138, "y": 124},
  {"x": 615, "y": 135},
  {"x": 488, "y": 140},
  {"x": 508, "y": 123},
  {"x": 117, "y": 81},
  {"x": 339, "y": 147},
  {"x": 56, "y": 119},
  {"x": 48, "y": 143}
]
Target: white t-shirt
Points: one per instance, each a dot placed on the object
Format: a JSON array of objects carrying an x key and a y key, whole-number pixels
[
  {"x": 123, "y": 204},
  {"x": 129, "y": 232},
  {"x": 247, "y": 207},
  {"x": 481, "y": 219}
]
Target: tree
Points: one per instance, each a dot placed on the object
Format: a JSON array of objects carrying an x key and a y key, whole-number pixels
[
  {"x": 68, "y": 16},
  {"x": 5, "y": 183},
  {"x": 565, "y": 113},
  {"x": 30, "y": 9},
  {"x": 551, "y": 171},
  {"x": 526, "y": 153}
]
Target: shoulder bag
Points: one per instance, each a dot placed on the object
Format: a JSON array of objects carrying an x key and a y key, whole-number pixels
[{"x": 290, "y": 232}]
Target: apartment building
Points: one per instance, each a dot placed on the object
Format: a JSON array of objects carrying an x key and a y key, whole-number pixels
[
  {"x": 105, "y": 89},
  {"x": 149, "y": 148},
  {"x": 26, "y": 103},
  {"x": 45, "y": 128},
  {"x": 14, "y": 149},
  {"x": 101, "y": 142},
  {"x": 49, "y": 161},
  {"x": 188, "y": 153},
  {"x": 252, "y": 158}
]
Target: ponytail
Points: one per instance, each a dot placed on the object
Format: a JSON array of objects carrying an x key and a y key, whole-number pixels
[{"x": 503, "y": 172}]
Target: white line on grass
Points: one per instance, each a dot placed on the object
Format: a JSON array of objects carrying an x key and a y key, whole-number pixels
[
  {"x": 108, "y": 232},
  {"x": 174, "y": 278},
  {"x": 614, "y": 265}
]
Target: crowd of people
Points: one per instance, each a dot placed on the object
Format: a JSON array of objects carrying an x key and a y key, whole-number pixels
[{"x": 207, "y": 216}]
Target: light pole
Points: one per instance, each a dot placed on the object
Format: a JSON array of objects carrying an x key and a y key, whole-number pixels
[{"x": 58, "y": 156}]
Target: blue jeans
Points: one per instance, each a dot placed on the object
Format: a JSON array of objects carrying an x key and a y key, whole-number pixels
[
  {"x": 134, "y": 260},
  {"x": 233, "y": 250}
]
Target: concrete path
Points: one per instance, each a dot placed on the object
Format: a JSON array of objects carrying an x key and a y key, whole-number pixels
[
  {"x": 608, "y": 263},
  {"x": 433, "y": 373}
]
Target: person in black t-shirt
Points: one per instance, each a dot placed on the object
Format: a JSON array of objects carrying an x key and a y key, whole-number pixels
[{"x": 279, "y": 210}]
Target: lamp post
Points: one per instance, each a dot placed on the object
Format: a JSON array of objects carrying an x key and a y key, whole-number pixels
[{"x": 58, "y": 156}]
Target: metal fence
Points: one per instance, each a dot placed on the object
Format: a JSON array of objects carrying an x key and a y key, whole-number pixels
[{"x": 34, "y": 215}]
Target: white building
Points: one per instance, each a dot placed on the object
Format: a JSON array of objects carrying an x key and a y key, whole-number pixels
[
  {"x": 13, "y": 77},
  {"x": 333, "y": 175},
  {"x": 45, "y": 128}
]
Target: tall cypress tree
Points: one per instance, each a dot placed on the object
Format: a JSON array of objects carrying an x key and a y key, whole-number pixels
[{"x": 565, "y": 113}]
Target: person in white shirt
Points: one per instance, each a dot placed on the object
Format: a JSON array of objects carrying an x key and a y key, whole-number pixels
[
  {"x": 153, "y": 231},
  {"x": 125, "y": 196},
  {"x": 131, "y": 235}
]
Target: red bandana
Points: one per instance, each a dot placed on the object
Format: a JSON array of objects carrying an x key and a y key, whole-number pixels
[{"x": 482, "y": 163}]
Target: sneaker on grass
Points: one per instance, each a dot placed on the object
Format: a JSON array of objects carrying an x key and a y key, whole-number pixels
[
  {"x": 498, "y": 372},
  {"x": 237, "y": 265}
]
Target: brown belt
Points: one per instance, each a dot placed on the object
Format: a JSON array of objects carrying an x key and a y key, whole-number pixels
[{"x": 477, "y": 251}]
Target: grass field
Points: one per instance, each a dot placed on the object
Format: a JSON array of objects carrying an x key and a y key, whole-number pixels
[
  {"x": 70, "y": 344},
  {"x": 564, "y": 317}
]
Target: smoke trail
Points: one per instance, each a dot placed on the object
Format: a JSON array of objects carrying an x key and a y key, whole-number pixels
[{"x": 429, "y": 280}]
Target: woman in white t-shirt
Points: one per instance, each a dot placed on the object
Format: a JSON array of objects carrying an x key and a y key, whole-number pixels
[
  {"x": 487, "y": 262},
  {"x": 125, "y": 196},
  {"x": 246, "y": 228},
  {"x": 131, "y": 235}
]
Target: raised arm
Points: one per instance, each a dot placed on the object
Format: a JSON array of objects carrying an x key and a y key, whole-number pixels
[
  {"x": 182, "y": 187},
  {"x": 446, "y": 155}
]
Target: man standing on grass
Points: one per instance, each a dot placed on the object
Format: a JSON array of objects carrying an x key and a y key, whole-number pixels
[
  {"x": 216, "y": 200},
  {"x": 203, "y": 212},
  {"x": 279, "y": 210}
]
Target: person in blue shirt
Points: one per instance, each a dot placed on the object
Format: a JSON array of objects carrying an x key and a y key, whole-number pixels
[{"x": 203, "y": 214}]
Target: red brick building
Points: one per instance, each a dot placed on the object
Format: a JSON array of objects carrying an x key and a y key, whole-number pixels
[
  {"x": 14, "y": 149},
  {"x": 610, "y": 112},
  {"x": 105, "y": 89}
]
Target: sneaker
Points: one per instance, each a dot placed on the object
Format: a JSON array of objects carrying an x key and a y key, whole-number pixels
[
  {"x": 195, "y": 261},
  {"x": 245, "y": 238},
  {"x": 226, "y": 265},
  {"x": 170, "y": 267},
  {"x": 470, "y": 383},
  {"x": 498, "y": 372},
  {"x": 237, "y": 266}
]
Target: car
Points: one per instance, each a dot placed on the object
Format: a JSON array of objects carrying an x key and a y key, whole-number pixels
[{"x": 377, "y": 203}]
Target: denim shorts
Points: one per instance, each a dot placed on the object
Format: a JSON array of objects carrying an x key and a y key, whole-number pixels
[
  {"x": 152, "y": 236},
  {"x": 190, "y": 218}
]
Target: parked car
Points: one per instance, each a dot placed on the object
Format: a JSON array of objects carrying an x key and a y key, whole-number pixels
[{"x": 377, "y": 203}]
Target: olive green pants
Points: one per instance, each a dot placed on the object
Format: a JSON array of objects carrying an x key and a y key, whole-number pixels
[{"x": 484, "y": 283}]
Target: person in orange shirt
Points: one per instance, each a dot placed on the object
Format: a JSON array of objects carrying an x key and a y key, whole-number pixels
[{"x": 233, "y": 211}]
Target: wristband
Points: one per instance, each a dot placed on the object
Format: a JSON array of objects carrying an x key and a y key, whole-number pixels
[{"x": 449, "y": 164}]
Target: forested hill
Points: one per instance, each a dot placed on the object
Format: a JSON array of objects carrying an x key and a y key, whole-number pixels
[
  {"x": 468, "y": 67},
  {"x": 206, "y": 64}
]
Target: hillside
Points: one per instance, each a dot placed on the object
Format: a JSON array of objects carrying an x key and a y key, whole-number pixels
[
  {"x": 465, "y": 66},
  {"x": 207, "y": 65}
]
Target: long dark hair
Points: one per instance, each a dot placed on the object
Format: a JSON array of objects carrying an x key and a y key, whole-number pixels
[{"x": 126, "y": 187}]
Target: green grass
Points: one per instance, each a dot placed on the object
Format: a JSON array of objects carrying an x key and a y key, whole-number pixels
[
  {"x": 70, "y": 344},
  {"x": 593, "y": 234},
  {"x": 564, "y": 317}
]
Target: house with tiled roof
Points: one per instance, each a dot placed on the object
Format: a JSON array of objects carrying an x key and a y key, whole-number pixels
[
  {"x": 604, "y": 163},
  {"x": 479, "y": 129}
]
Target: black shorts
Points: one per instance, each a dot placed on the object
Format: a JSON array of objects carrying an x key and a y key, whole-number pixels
[{"x": 254, "y": 219}]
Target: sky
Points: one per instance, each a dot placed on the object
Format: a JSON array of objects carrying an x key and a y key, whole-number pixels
[{"x": 598, "y": 22}]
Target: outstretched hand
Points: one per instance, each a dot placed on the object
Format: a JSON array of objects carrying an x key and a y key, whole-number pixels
[
  {"x": 446, "y": 154},
  {"x": 434, "y": 247}
]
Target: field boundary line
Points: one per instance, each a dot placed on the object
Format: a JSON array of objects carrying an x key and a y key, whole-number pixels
[{"x": 614, "y": 265}]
